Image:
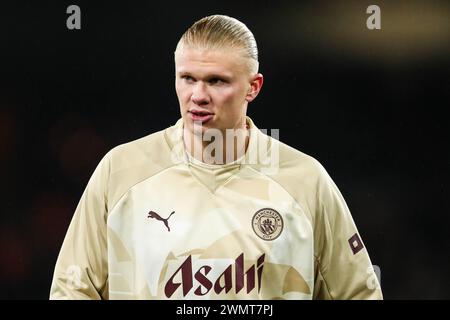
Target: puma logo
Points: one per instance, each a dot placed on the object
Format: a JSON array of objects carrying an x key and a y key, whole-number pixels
[{"x": 156, "y": 216}]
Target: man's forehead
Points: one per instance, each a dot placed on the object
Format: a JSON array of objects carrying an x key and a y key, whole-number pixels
[{"x": 223, "y": 60}]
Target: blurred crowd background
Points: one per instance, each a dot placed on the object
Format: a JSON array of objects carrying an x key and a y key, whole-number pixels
[{"x": 368, "y": 104}]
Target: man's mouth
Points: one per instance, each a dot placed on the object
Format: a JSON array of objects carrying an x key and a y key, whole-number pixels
[{"x": 200, "y": 115}]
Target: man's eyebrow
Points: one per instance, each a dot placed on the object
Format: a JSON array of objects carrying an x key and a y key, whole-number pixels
[
  {"x": 184, "y": 73},
  {"x": 219, "y": 76}
]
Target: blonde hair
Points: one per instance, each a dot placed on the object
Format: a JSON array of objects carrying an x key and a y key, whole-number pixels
[{"x": 220, "y": 31}]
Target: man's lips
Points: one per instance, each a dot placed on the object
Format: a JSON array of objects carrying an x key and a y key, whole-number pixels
[{"x": 200, "y": 115}]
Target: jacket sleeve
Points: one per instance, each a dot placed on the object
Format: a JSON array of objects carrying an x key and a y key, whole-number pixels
[
  {"x": 343, "y": 269},
  {"x": 81, "y": 269}
]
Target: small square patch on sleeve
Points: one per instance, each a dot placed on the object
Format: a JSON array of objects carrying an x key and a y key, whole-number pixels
[{"x": 355, "y": 243}]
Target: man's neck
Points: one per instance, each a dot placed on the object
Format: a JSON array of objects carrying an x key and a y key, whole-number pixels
[{"x": 215, "y": 146}]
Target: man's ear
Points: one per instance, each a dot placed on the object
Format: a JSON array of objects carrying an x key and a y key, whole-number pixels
[{"x": 255, "y": 86}]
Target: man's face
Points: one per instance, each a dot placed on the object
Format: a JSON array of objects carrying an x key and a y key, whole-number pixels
[{"x": 213, "y": 87}]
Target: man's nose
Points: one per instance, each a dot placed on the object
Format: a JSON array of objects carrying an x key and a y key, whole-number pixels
[{"x": 200, "y": 94}]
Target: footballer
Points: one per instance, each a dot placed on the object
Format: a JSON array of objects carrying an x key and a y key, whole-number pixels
[{"x": 211, "y": 207}]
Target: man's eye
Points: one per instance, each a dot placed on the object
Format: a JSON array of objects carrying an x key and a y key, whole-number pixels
[
  {"x": 216, "y": 81},
  {"x": 187, "y": 78}
]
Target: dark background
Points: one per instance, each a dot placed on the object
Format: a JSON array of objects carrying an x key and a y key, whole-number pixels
[{"x": 369, "y": 105}]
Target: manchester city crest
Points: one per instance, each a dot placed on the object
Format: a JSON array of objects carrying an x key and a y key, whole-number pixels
[{"x": 267, "y": 224}]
